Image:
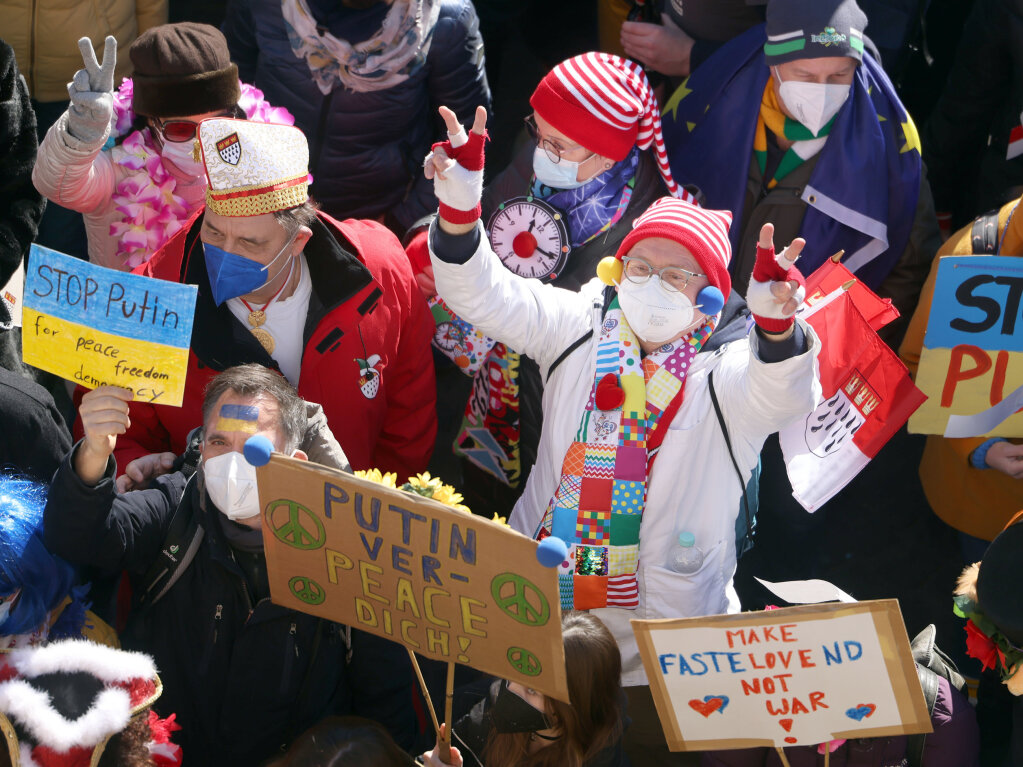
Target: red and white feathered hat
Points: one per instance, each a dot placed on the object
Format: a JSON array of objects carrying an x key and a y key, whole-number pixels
[
  {"x": 606, "y": 104},
  {"x": 61, "y": 703},
  {"x": 702, "y": 232}
]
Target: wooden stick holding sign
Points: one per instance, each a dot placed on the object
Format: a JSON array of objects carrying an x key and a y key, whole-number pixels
[
  {"x": 796, "y": 676},
  {"x": 422, "y": 686},
  {"x": 97, "y": 326},
  {"x": 781, "y": 755},
  {"x": 449, "y": 585},
  {"x": 444, "y": 733}
]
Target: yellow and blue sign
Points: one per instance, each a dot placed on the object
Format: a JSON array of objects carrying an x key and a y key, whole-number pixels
[
  {"x": 97, "y": 326},
  {"x": 971, "y": 366}
]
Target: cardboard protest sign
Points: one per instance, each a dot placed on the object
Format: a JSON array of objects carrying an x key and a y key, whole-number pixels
[
  {"x": 449, "y": 585},
  {"x": 799, "y": 675},
  {"x": 971, "y": 365},
  {"x": 98, "y": 326}
]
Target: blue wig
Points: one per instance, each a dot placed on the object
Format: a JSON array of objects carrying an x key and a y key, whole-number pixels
[{"x": 44, "y": 578}]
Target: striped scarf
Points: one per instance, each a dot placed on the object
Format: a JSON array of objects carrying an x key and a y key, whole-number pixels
[
  {"x": 805, "y": 144},
  {"x": 598, "y": 506}
]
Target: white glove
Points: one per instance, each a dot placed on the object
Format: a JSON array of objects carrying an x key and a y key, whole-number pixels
[
  {"x": 92, "y": 93},
  {"x": 456, "y": 167}
]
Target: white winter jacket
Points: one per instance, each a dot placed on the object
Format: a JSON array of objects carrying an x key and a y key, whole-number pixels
[
  {"x": 79, "y": 176},
  {"x": 693, "y": 486}
]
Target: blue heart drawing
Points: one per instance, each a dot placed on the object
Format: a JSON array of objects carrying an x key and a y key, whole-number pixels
[
  {"x": 722, "y": 698},
  {"x": 861, "y": 711}
]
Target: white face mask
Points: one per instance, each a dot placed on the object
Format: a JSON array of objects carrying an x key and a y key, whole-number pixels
[
  {"x": 812, "y": 104},
  {"x": 557, "y": 175},
  {"x": 180, "y": 153},
  {"x": 231, "y": 483},
  {"x": 655, "y": 314}
]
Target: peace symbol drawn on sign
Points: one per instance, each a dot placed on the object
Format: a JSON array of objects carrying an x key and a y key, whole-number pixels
[
  {"x": 523, "y": 661},
  {"x": 299, "y": 530},
  {"x": 306, "y": 589},
  {"x": 522, "y": 601}
]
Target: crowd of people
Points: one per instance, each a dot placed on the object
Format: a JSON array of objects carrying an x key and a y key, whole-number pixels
[{"x": 595, "y": 336}]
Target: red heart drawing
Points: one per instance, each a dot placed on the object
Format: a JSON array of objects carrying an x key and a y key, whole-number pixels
[
  {"x": 786, "y": 724},
  {"x": 706, "y": 707},
  {"x": 871, "y": 708}
]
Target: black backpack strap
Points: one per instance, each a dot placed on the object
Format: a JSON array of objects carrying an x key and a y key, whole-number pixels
[
  {"x": 984, "y": 234},
  {"x": 731, "y": 454},
  {"x": 179, "y": 548},
  {"x": 571, "y": 348}
]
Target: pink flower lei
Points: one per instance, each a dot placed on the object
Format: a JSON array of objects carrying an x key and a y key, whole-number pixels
[{"x": 152, "y": 212}]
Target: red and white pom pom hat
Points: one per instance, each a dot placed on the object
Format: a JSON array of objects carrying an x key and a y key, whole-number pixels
[
  {"x": 606, "y": 104},
  {"x": 125, "y": 685}
]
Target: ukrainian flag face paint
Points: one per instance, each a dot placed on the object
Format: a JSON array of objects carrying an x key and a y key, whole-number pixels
[{"x": 243, "y": 418}]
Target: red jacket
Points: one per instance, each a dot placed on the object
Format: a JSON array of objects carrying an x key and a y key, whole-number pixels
[{"x": 364, "y": 304}]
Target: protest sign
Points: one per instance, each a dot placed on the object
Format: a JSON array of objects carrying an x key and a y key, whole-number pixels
[
  {"x": 447, "y": 584},
  {"x": 971, "y": 365},
  {"x": 98, "y": 326},
  {"x": 795, "y": 676}
]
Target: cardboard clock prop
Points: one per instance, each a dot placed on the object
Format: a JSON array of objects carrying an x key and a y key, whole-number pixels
[{"x": 530, "y": 238}]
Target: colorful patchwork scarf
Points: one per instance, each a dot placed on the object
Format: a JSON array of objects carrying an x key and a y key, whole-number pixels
[
  {"x": 597, "y": 205},
  {"x": 387, "y": 59},
  {"x": 598, "y": 505},
  {"x": 805, "y": 144}
]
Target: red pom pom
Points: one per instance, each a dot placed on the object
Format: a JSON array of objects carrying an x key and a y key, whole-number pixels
[{"x": 610, "y": 395}]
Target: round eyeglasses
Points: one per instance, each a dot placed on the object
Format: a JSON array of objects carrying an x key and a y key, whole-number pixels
[
  {"x": 548, "y": 146},
  {"x": 672, "y": 278}
]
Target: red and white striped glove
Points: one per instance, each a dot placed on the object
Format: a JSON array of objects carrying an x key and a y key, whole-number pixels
[
  {"x": 777, "y": 287},
  {"x": 456, "y": 167}
]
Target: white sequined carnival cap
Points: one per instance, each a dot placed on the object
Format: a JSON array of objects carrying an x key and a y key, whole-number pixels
[{"x": 253, "y": 168}]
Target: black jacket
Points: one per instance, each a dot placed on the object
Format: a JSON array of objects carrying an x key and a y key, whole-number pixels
[
  {"x": 366, "y": 150},
  {"x": 21, "y": 206},
  {"x": 35, "y": 437},
  {"x": 244, "y": 676},
  {"x": 966, "y": 138}
]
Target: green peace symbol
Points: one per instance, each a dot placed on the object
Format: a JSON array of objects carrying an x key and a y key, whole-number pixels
[
  {"x": 306, "y": 589},
  {"x": 289, "y": 529},
  {"x": 523, "y": 661},
  {"x": 515, "y": 602}
]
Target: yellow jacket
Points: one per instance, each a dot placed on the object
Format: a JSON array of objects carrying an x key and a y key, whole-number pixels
[
  {"x": 978, "y": 502},
  {"x": 44, "y": 35}
]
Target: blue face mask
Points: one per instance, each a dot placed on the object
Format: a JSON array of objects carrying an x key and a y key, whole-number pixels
[{"x": 232, "y": 275}]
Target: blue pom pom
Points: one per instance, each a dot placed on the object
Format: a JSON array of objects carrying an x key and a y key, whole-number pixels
[
  {"x": 710, "y": 300},
  {"x": 257, "y": 450},
  {"x": 551, "y": 551}
]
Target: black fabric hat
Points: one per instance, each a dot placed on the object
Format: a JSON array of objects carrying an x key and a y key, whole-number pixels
[
  {"x": 998, "y": 585},
  {"x": 182, "y": 69},
  {"x": 813, "y": 29}
]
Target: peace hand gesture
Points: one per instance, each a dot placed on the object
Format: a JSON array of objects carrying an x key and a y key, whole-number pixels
[
  {"x": 776, "y": 288},
  {"x": 92, "y": 93},
  {"x": 456, "y": 167}
]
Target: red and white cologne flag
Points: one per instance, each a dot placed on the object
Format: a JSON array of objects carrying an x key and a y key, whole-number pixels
[{"x": 867, "y": 394}]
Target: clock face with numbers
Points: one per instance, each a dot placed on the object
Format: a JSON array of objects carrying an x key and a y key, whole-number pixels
[{"x": 530, "y": 237}]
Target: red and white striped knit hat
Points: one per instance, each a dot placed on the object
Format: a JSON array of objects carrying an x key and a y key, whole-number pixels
[
  {"x": 605, "y": 103},
  {"x": 704, "y": 233}
]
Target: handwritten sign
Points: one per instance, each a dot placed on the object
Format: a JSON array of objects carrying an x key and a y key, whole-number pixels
[
  {"x": 449, "y": 585},
  {"x": 799, "y": 675},
  {"x": 972, "y": 359},
  {"x": 98, "y": 326}
]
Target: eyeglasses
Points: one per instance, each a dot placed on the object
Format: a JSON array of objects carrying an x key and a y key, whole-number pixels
[
  {"x": 177, "y": 131},
  {"x": 673, "y": 278},
  {"x": 548, "y": 146}
]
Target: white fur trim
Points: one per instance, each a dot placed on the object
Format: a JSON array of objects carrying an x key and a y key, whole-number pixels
[
  {"x": 104, "y": 662},
  {"x": 762, "y": 302},
  {"x": 33, "y": 710}
]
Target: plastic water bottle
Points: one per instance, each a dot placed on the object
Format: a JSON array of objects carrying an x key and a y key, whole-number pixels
[{"x": 685, "y": 557}]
